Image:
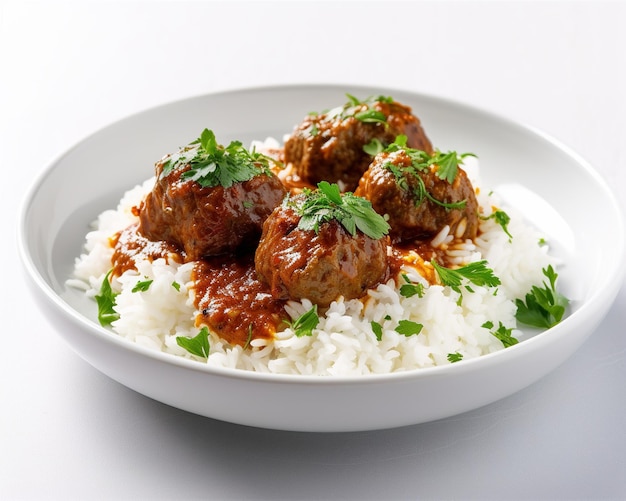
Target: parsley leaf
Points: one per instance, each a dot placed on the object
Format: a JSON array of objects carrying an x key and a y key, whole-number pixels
[
  {"x": 371, "y": 116},
  {"x": 421, "y": 161},
  {"x": 502, "y": 218},
  {"x": 377, "y": 329},
  {"x": 212, "y": 164},
  {"x": 502, "y": 333},
  {"x": 198, "y": 345},
  {"x": 106, "y": 302},
  {"x": 477, "y": 273},
  {"x": 305, "y": 323},
  {"x": 410, "y": 289},
  {"x": 455, "y": 357},
  {"x": 374, "y": 147},
  {"x": 142, "y": 286},
  {"x": 544, "y": 307},
  {"x": 327, "y": 203},
  {"x": 408, "y": 328}
]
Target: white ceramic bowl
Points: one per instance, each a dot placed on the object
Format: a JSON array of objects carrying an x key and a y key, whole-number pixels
[{"x": 553, "y": 186}]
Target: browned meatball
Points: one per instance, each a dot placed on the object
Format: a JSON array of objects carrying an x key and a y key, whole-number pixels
[
  {"x": 322, "y": 266},
  {"x": 417, "y": 202},
  {"x": 329, "y": 146},
  {"x": 208, "y": 218}
]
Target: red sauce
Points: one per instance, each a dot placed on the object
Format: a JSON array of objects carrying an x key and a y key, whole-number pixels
[
  {"x": 129, "y": 245},
  {"x": 233, "y": 303},
  {"x": 229, "y": 297}
]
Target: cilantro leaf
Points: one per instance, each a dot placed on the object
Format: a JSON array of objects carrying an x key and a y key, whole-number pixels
[
  {"x": 106, "y": 302},
  {"x": 408, "y": 328},
  {"x": 477, "y": 273},
  {"x": 544, "y": 307},
  {"x": 305, "y": 323},
  {"x": 198, "y": 345},
  {"x": 327, "y": 203}
]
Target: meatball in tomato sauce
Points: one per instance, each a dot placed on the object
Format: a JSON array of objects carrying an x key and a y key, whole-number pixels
[
  {"x": 209, "y": 199},
  {"x": 301, "y": 255},
  {"x": 420, "y": 193},
  {"x": 329, "y": 146}
]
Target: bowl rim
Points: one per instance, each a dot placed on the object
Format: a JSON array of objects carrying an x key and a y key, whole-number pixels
[{"x": 586, "y": 310}]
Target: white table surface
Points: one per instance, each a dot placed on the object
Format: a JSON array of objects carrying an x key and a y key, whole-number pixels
[{"x": 68, "y": 69}]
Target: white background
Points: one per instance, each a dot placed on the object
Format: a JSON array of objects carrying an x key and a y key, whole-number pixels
[{"x": 68, "y": 69}]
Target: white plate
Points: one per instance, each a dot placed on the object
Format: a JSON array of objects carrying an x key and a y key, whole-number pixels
[{"x": 556, "y": 189}]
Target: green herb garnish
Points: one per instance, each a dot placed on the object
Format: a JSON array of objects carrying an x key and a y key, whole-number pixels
[
  {"x": 421, "y": 161},
  {"x": 502, "y": 333},
  {"x": 502, "y": 218},
  {"x": 212, "y": 164},
  {"x": 305, "y": 323},
  {"x": 198, "y": 345},
  {"x": 408, "y": 328},
  {"x": 455, "y": 357},
  {"x": 544, "y": 307},
  {"x": 249, "y": 338},
  {"x": 106, "y": 302},
  {"x": 377, "y": 329},
  {"x": 176, "y": 286},
  {"x": 477, "y": 273},
  {"x": 374, "y": 147},
  {"x": 361, "y": 110},
  {"x": 142, "y": 286},
  {"x": 410, "y": 289},
  {"x": 327, "y": 203},
  {"x": 371, "y": 116}
]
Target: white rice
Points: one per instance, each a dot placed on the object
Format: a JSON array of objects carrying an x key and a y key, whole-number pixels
[{"x": 343, "y": 342}]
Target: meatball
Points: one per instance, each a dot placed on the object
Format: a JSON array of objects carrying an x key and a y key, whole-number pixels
[
  {"x": 417, "y": 202},
  {"x": 209, "y": 218},
  {"x": 320, "y": 266},
  {"x": 329, "y": 146}
]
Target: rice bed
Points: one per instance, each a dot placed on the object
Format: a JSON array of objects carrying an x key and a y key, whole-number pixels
[{"x": 343, "y": 342}]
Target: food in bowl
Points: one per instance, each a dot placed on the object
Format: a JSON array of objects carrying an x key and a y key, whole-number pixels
[{"x": 354, "y": 247}]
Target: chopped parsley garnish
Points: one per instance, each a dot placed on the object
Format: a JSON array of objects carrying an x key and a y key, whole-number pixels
[
  {"x": 410, "y": 289},
  {"x": 502, "y": 218},
  {"x": 455, "y": 357},
  {"x": 447, "y": 167},
  {"x": 305, "y": 323},
  {"x": 374, "y": 147},
  {"x": 249, "y": 338},
  {"x": 371, "y": 116},
  {"x": 544, "y": 307},
  {"x": 142, "y": 286},
  {"x": 176, "y": 286},
  {"x": 408, "y": 328},
  {"x": 502, "y": 333},
  {"x": 477, "y": 273},
  {"x": 377, "y": 329},
  {"x": 212, "y": 164},
  {"x": 327, "y": 203},
  {"x": 198, "y": 345},
  {"x": 361, "y": 110},
  {"x": 106, "y": 302}
]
